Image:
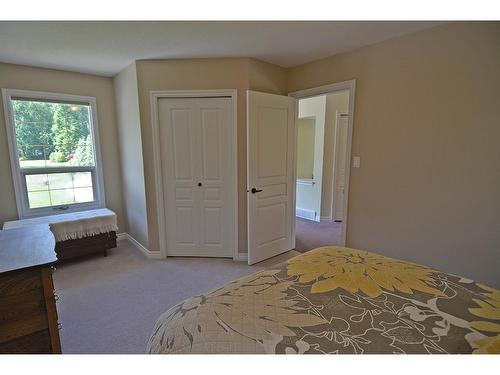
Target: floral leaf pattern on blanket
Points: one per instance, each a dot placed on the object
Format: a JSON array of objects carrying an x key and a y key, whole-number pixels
[
  {"x": 336, "y": 300},
  {"x": 489, "y": 308},
  {"x": 246, "y": 313},
  {"x": 355, "y": 270}
]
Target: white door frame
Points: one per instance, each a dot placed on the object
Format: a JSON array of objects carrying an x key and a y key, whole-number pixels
[
  {"x": 325, "y": 90},
  {"x": 154, "y": 96}
]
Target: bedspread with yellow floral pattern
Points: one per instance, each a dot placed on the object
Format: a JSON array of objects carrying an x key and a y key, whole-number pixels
[{"x": 336, "y": 300}]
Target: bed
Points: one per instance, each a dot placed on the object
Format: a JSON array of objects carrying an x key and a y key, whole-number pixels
[{"x": 336, "y": 300}]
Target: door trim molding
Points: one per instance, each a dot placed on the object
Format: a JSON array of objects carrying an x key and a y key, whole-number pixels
[
  {"x": 154, "y": 96},
  {"x": 338, "y": 115},
  {"x": 329, "y": 89}
]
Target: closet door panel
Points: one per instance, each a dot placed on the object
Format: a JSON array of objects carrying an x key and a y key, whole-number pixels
[
  {"x": 215, "y": 222},
  {"x": 179, "y": 156}
]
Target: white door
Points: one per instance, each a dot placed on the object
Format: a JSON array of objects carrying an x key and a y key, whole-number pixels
[
  {"x": 271, "y": 144},
  {"x": 196, "y": 167},
  {"x": 340, "y": 165}
]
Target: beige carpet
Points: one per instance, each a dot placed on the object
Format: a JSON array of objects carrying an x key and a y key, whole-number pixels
[
  {"x": 109, "y": 305},
  {"x": 311, "y": 234}
]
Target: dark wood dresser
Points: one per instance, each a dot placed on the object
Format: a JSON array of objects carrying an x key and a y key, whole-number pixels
[{"x": 28, "y": 315}]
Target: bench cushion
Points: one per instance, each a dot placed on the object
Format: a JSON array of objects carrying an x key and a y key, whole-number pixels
[{"x": 73, "y": 225}]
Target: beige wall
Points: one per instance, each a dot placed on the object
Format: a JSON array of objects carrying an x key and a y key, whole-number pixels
[
  {"x": 37, "y": 79},
  {"x": 427, "y": 128},
  {"x": 305, "y": 194},
  {"x": 338, "y": 101},
  {"x": 203, "y": 74},
  {"x": 267, "y": 77},
  {"x": 132, "y": 167},
  {"x": 305, "y": 148}
]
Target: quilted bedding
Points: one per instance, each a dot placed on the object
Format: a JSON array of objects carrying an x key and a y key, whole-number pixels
[{"x": 336, "y": 300}]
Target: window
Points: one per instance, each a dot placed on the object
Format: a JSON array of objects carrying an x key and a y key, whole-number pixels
[{"x": 54, "y": 152}]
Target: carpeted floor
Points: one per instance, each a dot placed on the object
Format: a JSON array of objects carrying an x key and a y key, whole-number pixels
[
  {"x": 311, "y": 234},
  {"x": 109, "y": 305}
]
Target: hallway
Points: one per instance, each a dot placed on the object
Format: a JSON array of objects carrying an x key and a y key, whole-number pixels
[{"x": 311, "y": 234}]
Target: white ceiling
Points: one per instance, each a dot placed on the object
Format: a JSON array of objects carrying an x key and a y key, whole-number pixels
[{"x": 104, "y": 48}]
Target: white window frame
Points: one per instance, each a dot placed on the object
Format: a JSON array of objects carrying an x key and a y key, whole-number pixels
[{"x": 18, "y": 176}]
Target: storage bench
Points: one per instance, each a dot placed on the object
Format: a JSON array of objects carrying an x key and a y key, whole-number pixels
[{"x": 77, "y": 233}]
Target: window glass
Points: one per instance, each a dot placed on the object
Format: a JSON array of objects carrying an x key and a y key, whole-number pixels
[
  {"x": 52, "y": 134},
  {"x": 52, "y": 189}
]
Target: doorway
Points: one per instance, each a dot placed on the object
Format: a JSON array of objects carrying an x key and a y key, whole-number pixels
[
  {"x": 324, "y": 133},
  {"x": 273, "y": 169}
]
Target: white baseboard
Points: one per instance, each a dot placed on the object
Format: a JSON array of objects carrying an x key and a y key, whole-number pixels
[
  {"x": 326, "y": 218},
  {"x": 305, "y": 213},
  {"x": 156, "y": 254},
  {"x": 146, "y": 252},
  {"x": 243, "y": 257}
]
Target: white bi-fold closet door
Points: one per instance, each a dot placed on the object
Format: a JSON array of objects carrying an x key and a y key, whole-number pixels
[{"x": 197, "y": 167}]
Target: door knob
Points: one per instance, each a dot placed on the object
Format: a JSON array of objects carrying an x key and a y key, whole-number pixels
[
  {"x": 199, "y": 183},
  {"x": 254, "y": 190}
]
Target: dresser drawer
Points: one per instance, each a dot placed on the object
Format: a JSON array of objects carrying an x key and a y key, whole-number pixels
[
  {"x": 28, "y": 312},
  {"x": 22, "y": 304},
  {"x": 17, "y": 307},
  {"x": 35, "y": 343},
  {"x": 18, "y": 283}
]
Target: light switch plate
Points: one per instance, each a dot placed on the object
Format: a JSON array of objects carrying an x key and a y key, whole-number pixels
[{"x": 356, "y": 161}]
